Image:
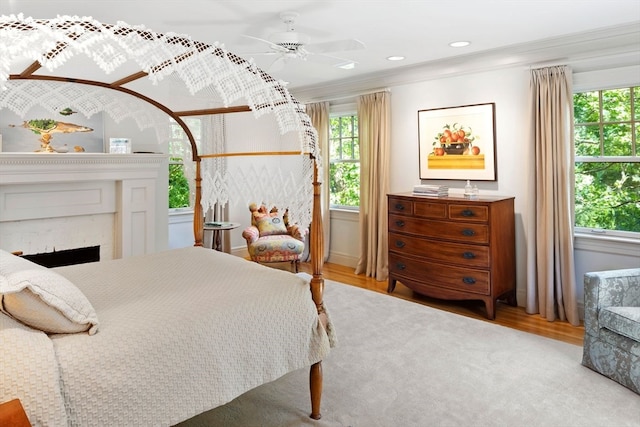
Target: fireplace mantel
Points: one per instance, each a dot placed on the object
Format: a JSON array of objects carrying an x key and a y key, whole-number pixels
[
  {"x": 40, "y": 193},
  {"x": 22, "y": 168}
]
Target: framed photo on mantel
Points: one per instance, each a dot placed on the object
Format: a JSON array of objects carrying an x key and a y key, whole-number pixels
[
  {"x": 457, "y": 143},
  {"x": 119, "y": 145}
]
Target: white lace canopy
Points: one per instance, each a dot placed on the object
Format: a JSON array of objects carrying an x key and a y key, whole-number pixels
[{"x": 40, "y": 56}]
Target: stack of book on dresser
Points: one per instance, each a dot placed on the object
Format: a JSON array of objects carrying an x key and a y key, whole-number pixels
[{"x": 431, "y": 190}]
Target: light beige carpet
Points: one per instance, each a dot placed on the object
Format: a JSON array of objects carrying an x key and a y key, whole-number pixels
[{"x": 399, "y": 363}]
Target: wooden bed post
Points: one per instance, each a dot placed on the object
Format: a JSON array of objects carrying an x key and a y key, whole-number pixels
[
  {"x": 317, "y": 288},
  {"x": 198, "y": 216}
]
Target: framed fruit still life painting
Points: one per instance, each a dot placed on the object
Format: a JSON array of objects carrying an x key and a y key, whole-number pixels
[{"x": 458, "y": 143}]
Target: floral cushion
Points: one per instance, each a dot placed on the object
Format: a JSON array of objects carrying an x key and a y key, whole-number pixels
[
  {"x": 276, "y": 248},
  {"x": 271, "y": 225}
]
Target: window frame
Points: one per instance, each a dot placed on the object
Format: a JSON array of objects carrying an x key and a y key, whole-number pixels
[
  {"x": 336, "y": 112},
  {"x": 634, "y": 123}
]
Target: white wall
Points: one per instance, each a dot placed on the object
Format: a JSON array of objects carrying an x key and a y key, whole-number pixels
[
  {"x": 141, "y": 140},
  {"x": 181, "y": 228}
]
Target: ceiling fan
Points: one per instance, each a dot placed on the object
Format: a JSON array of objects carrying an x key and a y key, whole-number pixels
[{"x": 291, "y": 44}]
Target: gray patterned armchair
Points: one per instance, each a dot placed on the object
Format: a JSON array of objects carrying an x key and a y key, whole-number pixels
[{"x": 612, "y": 325}]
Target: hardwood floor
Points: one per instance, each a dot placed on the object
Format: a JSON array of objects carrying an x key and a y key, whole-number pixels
[{"x": 506, "y": 315}]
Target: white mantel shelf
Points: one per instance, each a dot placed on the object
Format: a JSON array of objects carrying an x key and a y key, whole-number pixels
[
  {"x": 22, "y": 168},
  {"x": 45, "y": 197}
]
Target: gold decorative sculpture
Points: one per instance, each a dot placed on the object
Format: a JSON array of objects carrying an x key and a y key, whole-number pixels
[{"x": 47, "y": 127}]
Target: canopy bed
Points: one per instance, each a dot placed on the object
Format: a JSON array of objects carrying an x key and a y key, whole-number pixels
[{"x": 131, "y": 63}]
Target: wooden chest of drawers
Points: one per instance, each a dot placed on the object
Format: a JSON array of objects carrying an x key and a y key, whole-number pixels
[{"x": 453, "y": 247}]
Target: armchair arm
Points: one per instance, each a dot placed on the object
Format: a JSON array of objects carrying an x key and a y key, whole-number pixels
[
  {"x": 614, "y": 288},
  {"x": 296, "y": 232},
  {"x": 251, "y": 234}
]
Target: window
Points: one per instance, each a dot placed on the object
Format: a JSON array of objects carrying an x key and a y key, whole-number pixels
[
  {"x": 344, "y": 162},
  {"x": 178, "y": 182},
  {"x": 607, "y": 155}
]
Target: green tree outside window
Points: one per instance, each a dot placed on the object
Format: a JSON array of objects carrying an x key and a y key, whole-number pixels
[
  {"x": 178, "y": 185},
  {"x": 344, "y": 162},
  {"x": 179, "y": 192},
  {"x": 607, "y": 153}
]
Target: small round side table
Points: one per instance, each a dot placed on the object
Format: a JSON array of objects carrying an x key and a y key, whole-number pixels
[{"x": 217, "y": 228}]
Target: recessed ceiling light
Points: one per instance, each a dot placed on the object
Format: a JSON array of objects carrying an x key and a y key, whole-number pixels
[
  {"x": 459, "y": 44},
  {"x": 395, "y": 58},
  {"x": 349, "y": 65}
]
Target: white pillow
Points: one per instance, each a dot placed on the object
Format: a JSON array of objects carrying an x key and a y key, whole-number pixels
[
  {"x": 10, "y": 263},
  {"x": 43, "y": 299}
]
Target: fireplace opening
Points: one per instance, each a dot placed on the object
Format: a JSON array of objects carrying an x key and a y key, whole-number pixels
[{"x": 66, "y": 257}]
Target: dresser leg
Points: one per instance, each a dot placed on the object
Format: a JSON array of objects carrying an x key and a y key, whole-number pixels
[
  {"x": 491, "y": 308},
  {"x": 392, "y": 285}
]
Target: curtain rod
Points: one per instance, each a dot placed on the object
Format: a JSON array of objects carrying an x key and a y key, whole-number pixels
[
  {"x": 351, "y": 95},
  {"x": 547, "y": 64}
]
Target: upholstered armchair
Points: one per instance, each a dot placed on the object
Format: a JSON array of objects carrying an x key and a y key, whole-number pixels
[
  {"x": 612, "y": 325},
  {"x": 271, "y": 238}
]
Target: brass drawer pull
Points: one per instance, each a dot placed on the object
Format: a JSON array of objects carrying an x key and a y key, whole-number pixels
[
  {"x": 401, "y": 266},
  {"x": 467, "y": 212},
  {"x": 400, "y": 223},
  {"x": 400, "y": 244},
  {"x": 468, "y": 232},
  {"x": 399, "y": 207},
  {"x": 468, "y": 255},
  {"x": 469, "y": 280}
]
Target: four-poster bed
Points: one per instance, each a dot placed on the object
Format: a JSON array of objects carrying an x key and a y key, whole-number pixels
[{"x": 39, "y": 49}]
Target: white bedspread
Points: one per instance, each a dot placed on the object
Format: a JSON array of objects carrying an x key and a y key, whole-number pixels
[{"x": 181, "y": 332}]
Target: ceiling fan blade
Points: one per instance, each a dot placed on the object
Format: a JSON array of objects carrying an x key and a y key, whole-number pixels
[
  {"x": 336, "y": 46},
  {"x": 248, "y": 54},
  {"x": 273, "y": 46}
]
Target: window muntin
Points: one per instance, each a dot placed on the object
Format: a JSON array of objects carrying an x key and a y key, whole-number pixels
[
  {"x": 344, "y": 162},
  {"x": 607, "y": 155}
]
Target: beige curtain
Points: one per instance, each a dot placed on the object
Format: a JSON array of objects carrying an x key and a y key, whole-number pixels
[
  {"x": 551, "y": 287},
  {"x": 319, "y": 115},
  {"x": 374, "y": 124}
]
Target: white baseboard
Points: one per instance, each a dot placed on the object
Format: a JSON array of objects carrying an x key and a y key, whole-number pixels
[
  {"x": 521, "y": 295},
  {"x": 343, "y": 259}
]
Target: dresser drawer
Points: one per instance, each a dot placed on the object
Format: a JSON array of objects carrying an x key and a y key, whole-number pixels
[
  {"x": 468, "y": 213},
  {"x": 433, "y": 210},
  {"x": 400, "y": 206},
  {"x": 443, "y": 276},
  {"x": 456, "y": 231},
  {"x": 455, "y": 253}
]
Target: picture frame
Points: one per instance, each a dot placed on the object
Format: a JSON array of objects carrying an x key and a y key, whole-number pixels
[
  {"x": 119, "y": 145},
  {"x": 470, "y": 154}
]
